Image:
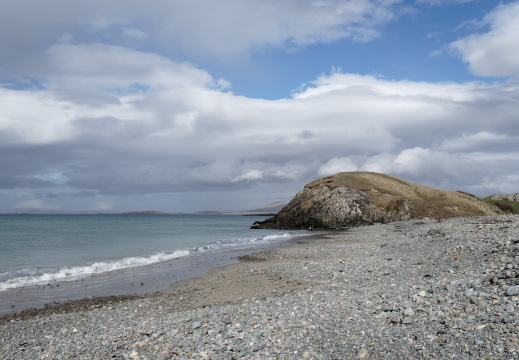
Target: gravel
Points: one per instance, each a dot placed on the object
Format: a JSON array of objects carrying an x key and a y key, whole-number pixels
[{"x": 420, "y": 289}]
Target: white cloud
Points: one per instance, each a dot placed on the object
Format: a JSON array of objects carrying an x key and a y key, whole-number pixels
[
  {"x": 201, "y": 27},
  {"x": 337, "y": 165},
  {"x": 185, "y": 136},
  {"x": 249, "y": 175},
  {"x": 476, "y": 141},
  {"x": 442, "y": 2},
  {"x": 33, "y": 117},
  {"x": 135, "y": 33},
  {"x": 116, "y": 68},
  {"x": 417, "y": 161},
  {"x": 495, "y": 52}
]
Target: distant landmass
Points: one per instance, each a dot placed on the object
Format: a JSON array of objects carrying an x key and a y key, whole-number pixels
[
  {"x": 268, "y": 210},
  {"x": 148, "y": 212},
  {"x": 265, "y": 210}
]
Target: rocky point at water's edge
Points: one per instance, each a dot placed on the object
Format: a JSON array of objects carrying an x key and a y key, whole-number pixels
[{"x": 352, "y": 199}]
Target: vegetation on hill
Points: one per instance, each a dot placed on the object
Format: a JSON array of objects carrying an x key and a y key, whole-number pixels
[
  {"x": 427, "y": 201},
  {"x": 505, "y": 205}
]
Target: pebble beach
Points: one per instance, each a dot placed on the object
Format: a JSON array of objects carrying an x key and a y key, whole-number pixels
[{"x": 417, "y": 289}]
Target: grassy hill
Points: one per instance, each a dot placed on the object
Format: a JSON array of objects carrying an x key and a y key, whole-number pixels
[{"x": 427, "y": 201}]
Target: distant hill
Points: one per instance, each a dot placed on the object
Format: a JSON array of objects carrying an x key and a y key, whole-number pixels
[
  {"x": 267, "y": 210},
  {"x": 148, "y": 212},
  {"x": 275, "y": 207},
  {"x": 361, "y": 198}
]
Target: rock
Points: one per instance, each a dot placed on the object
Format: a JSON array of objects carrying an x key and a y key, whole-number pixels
[
  {"x": 513, "y": 290},
  {"x": 363, "y": 354},
  {"x": 409, "y": 312},
  {"x": 352, "y": 199}
]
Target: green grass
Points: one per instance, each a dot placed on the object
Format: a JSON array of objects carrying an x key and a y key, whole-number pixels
[{"x": 513, "y": 204}]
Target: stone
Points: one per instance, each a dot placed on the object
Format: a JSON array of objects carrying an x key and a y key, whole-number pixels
[
  {"x": 513, "y": 290},
  {"x": 363, "y": 354},
  {"x": 409, "y": 312}
]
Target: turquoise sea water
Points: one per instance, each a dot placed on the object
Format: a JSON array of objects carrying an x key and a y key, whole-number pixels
[{"x": 38, "y": 249}]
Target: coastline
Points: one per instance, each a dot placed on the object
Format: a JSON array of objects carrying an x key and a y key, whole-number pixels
[
  {"x": 126, "y": 283},
  {"x": 413, "y": 289},
  {"x": 197, "y": 289}
]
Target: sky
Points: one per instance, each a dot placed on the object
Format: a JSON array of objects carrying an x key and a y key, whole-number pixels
[{"x": 184, "y": 105}]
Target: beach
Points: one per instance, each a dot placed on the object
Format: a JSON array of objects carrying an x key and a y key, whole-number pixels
[{"x": 417, "y": 289}]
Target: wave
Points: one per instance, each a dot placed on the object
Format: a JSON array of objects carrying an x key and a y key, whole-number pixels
[
  {"x": 246, "y": 241},
  {"x": 78, "y": 272},
  {"x": 33, "y": 277}
]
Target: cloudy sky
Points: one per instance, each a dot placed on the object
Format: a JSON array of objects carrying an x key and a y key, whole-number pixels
[{"x": 229, "y": 105}]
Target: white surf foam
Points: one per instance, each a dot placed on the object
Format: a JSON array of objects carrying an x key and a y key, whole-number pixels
[
  {"x": 245, "y": 241},
  {"x": 78, "y": 272}
]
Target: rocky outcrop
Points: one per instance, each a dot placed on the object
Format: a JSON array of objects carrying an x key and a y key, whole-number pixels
[
  {"x": 353, "y": 199},
  {"x": 513, "y": 197}
]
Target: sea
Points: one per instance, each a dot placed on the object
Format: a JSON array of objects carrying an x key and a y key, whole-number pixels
[{"x": 38, "y": 251}]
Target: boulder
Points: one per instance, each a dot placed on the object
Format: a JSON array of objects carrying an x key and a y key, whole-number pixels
[{"x": 352, "y": 199}]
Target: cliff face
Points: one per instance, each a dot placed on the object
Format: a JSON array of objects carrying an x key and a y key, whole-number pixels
[{"x": 353, "y": 199}]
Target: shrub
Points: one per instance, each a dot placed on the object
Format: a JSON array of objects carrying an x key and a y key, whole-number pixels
[{"x": 504, "y": 207}]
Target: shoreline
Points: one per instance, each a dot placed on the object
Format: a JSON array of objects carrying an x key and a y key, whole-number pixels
[
  {"x": 127, "y": 283},
  {"x": 191, "y": 289},
  {"x": 413, "y": 289}
]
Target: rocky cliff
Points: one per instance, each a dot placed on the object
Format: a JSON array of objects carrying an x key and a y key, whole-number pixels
[{"x": 352, "y": 199}]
